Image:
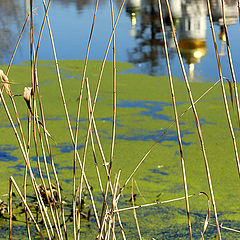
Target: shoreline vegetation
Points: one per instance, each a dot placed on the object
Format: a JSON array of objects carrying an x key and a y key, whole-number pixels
[{"x": 91, "y": 151}]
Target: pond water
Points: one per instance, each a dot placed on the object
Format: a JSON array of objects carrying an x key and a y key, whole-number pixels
[
  {"x": 144, "y": 110},
  {"x": 138, "y": 35}
]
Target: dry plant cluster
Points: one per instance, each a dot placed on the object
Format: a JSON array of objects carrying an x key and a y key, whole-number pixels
[{"x": 48, "y": 191}]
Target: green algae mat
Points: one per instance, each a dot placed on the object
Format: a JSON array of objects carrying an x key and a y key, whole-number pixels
[{"x": 144, "y": 112}]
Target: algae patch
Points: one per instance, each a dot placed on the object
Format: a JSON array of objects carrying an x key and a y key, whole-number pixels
[{"x": 144, "y": 111}]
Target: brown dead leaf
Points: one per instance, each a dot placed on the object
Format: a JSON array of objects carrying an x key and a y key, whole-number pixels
[
  {"x": 5, "y": 83},
  {"x": 27, "y": 97}
]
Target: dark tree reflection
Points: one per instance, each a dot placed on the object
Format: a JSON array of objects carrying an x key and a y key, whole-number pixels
[
  {"x": 149, "y": 49},
  {"x": 11, "y": 14}
]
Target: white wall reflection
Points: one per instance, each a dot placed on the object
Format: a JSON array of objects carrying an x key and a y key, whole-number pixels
[{"x": 190, "y": 17}]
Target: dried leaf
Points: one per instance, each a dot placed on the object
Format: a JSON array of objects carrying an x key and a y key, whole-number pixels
[
  {"x": 5, "y": 83},
  {"x": 27, "y": 97},
  {"x": 28, "y": 93}
]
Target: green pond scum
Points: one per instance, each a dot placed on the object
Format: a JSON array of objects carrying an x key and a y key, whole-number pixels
[{"x": 144, "y": 112}]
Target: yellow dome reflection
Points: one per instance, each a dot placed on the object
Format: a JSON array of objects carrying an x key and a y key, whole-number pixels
[{"x": 192, "y": 50}]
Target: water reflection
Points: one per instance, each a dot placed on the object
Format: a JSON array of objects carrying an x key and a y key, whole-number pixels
[
  {"x": 79, "y": 4},
  {"x": 139, "y": 27},
  {"x": 190, "y": 17},
  {"x": 10, "y": 16}
]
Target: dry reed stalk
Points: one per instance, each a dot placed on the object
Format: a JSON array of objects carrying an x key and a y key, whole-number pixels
[
  {"x": 135, "y": 214},
  {"x": 104, "y": 60},
  {"x": 110, "y": 216},
  {"x": 68, "y": 121},
  {"x": 158, "y": 203},
  {"x": 104, "y": 163},
  {"x": 50, "y": 197},
  {"x": 120, "y": 224},
  {"x": 235, "y": 86},
  {"x": 103, "y": 157},
  {"x": 100, "y": 234},
  {"x": 100, "y": 149},
  {"x": 10, "y": 209},
  {"x": 176, "y": 120},
  {"x": 83, "y": 157},
  {"x": 97, "y": 136},
  {"x": 96, "y": 92},
  {"x": 67, "y": 115},
  {"x": 114, "y": 111},
  {"x": 19, "y": 39},
  {"x": 79, "y": 107},
  {"x": 25, "y": 174},
  {"x": 14, "y": 52},
  {"x": 223, "y": 89},
  {"x": 108, "y": 232},
  {"x": 114, "y": 202},
  {"x": 6, "y": 85},
  {"x": 102, "y": 67},
  {"x": 139, "y": 190},
  {"x": 96, "y": 164},
  {"x": 42, "y": 207},
  {"x": 12, "y": 181},
  {"x": 114, "y": 93},
  {"x": 37, "y": 193},
  {"x": 35, "y": 83},
  {"x": 55, "y": 218},
  {"x": 196, "y": 120},
  {"x": 22, "y": 148},
  {"x": 225, "y": 228}
]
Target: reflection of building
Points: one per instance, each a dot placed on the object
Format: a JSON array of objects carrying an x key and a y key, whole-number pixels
[
  {"x": 190, "y": 19},
  {"x": 192, "y": 34},
  {"x": 132, "y": 8},
  {"x": 176, "y": 9},
  {"x": 231, "y": 14}
]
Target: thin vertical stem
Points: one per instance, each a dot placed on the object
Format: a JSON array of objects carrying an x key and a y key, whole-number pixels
[
  {"x": 78, "y": 117},
  {"x": 176, "y": 121},
  {"x": 68, "y": 120},
  {"x": 135, "y": 214},
  {"x": 15, "y": 50},
  {"x": 114, "y": 93},
  {"x": 25, "y": 173},
  {"x": 235, "y": 89},
  {"x": 26, "y": 206},
  {"x": 161, "y": 136},
  {"x": 196, "y": 120},
  {"x": 41, "y": 204},
  {"x": 10, "y": 209}
]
